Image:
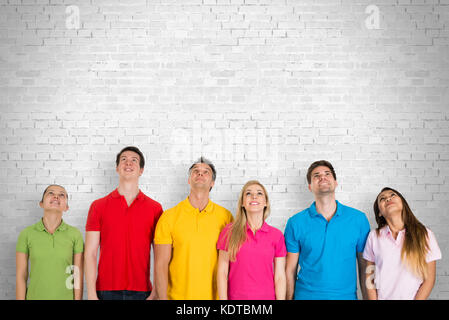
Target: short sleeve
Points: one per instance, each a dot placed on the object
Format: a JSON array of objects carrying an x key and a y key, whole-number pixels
[
  {"x": 93, "y": 218},
  {"x": 156, "y": 217},
  {"x": 434, "y": 250},
  {"x": 291, "y": 240},
  {"x": 222, "y": 243},
  {"x": 22, "y": 242},
  {"x": 364, "y": 231},
  {"x": 78, "y": 245},
  {"x": 230, "y": 218},
  {"x": 280, "y": 249},
  {"x": 368, "y": 252},
  {"x": 163, "y": 231},
  {"x": 158, "y": 214}
]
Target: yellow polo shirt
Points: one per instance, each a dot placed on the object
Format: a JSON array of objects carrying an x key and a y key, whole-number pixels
[{"x": 192, "y": 273}]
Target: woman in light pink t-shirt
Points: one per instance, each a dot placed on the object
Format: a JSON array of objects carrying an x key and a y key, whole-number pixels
[
  {"x": 401, "y": 253},
  {"x": 251, "y": 261}
]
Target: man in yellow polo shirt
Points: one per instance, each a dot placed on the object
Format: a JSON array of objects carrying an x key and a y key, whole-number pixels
[{"x": 185, "y": 241}]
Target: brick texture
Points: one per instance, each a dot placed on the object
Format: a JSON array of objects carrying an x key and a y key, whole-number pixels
[{"x": 261, "y": 87}]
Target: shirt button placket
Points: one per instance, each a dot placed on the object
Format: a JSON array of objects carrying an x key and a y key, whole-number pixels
[
  {"x": 197, "y": 216},
  {"x": 127, "y": 218}
]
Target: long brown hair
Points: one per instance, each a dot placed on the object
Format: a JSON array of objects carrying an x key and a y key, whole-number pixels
[
  {"x": 236, "y": 235},
  {"x": 415, "y": 246}
]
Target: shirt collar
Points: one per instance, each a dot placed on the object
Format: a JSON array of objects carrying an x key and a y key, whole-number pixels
[
  {"x": 314, "y": 213},
  {"x": 188, "y": 206},
  {"x": 41, "y": 227},
  {"x": 386, "y": 231},
  {"x": 116, "y": 194},
  {"x": 264, "y": 227}
]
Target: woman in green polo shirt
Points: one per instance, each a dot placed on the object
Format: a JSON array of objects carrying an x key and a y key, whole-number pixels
[{"x": 55, "y": 252}]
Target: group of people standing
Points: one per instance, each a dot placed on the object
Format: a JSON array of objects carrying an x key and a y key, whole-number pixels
[{"x": 202, "y": 252}]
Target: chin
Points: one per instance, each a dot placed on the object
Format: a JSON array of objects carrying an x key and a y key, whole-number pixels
[{"x": 326, "y": 191}]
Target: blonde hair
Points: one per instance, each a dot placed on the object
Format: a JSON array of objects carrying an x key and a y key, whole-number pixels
[
  {"x": 236, "y": 235},
  {"x": 416, "y": 245}
]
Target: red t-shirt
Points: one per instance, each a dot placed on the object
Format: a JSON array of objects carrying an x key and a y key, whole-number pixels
[{"x": 126, "y": 234}]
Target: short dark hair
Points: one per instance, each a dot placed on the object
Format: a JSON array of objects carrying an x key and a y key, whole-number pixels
[
  {"x": 133, "y": 149},
  {"x": 320, "y": 163},
  {"x": 209, "y": 163}
]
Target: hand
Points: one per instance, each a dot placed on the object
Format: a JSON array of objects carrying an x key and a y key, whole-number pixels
[
  {"x": 153, "y": 295},
  {"x": 92, "y": 296}
]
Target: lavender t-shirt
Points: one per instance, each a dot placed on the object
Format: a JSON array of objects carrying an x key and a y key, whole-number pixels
[{"x": 393, "y": 279}]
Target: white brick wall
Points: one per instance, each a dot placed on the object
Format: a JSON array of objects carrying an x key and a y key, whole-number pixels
[{"x": 262, "y": 87}]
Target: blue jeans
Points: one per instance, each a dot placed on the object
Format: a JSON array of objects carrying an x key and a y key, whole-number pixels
[{"x": 123, "y": 295}]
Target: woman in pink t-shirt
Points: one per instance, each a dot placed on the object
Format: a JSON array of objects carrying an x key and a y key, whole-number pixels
[
  {"x": 251, "y": 262},
  {"x": 401, "y": 253}
]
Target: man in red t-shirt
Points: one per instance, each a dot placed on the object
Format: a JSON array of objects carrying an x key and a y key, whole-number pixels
[{"x": 122, "y": 224}]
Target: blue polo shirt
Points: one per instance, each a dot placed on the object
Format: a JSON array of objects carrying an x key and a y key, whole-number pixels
[{"x": 327, "y": 252}]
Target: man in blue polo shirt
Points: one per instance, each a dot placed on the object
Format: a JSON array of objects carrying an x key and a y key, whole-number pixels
[{"x": 326, "y": 239}]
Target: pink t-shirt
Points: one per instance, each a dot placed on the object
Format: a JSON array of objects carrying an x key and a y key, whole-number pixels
[
  {"x": 393, "y": 279},
  {"x": 251, "y": 275}
]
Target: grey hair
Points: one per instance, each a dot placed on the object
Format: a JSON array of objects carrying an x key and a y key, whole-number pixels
[{"x": 208, "y": 162}]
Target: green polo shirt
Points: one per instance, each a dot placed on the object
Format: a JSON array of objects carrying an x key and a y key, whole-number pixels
[{"x": 51, "y": 258}]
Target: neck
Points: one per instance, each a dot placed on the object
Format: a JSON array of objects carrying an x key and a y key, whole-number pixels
[
  {"x": 129, "y": 190},
  {"x": 52, "y": 220},
  {"x": 199, "y": 199},
  {"x": 326, "y": 205},
  {"x": 395, "y": 224},
  {"x": 255, "y": 220}
]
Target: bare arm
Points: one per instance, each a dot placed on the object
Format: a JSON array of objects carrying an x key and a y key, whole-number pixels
[
  {"x": 21, "y": 275},
  {"x": 291, "y": 268},
  {"x": 361, "y": 263},
  {"x": 222, "y": 274},
  {"x": 427, "y": 285},
  {"x": 162, "y": 257},
  {"x": 280, "y": 280},
  {"x": 153, "y": 294},
  {"x": 78, "y": 276},
  {"x": 90, "y": 262},
  {"x": 369, "y": 274}
]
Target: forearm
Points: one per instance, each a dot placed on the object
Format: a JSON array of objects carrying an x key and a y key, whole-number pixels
[
  {"x": 90, "y": 267},
  {"x": 222, "y": 284},
  {"x": 162, "y": 258},
  {"x": 153, "y": 295},
  {"x": 428, "y": 283},
  {"x": 424, "y": 290},
  {"x": 370, "y": 284},
  {"x": 371, "y": 294},
  {"x": 21, "y": 275},
  {"x": 362, "y": 269},
  {"x": 78, "y": 276},
  {"x": 291, "y": 270},
  {"x": 290, "y": 284},
  {"x": 280, "y": 285},
  {"x": 78, "y": 289},
  {"x": 161, "y": 280},
  {"x": 78, "y": 293},
  {"x": 21, "y": 287},
  {"x": 362, "y": 284}
]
